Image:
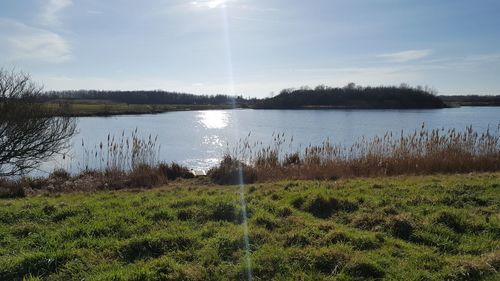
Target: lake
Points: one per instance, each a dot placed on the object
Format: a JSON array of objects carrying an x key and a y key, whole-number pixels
[{"x": 198, "y": 139}]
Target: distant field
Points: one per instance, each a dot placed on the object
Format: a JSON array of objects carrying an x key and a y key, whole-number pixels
[
  {"x": 100, "y": 108},
  {"x": 471, "y": 100},
  {"x": 399, "y": 228}
]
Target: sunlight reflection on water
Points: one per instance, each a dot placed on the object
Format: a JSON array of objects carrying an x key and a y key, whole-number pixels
[
  {"x": 214, "y": 119},
  {"x": 201, "y": 163},
  {"x": 213, "y": 140}
]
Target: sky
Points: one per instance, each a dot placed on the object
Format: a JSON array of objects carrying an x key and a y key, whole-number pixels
[{"x": 253, "y": 48}]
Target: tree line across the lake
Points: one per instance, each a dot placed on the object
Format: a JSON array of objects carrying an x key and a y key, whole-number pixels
[
  {"x": 143, "y": 97},
  {"x": 350, "y": 96}
]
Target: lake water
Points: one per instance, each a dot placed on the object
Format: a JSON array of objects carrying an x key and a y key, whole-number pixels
[{"x": 198, "y": 139}]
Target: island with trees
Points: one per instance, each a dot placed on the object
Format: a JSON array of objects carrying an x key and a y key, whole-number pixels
[{"x": 353, "y": 97}]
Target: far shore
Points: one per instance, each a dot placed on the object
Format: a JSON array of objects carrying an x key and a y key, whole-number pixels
[{"x": 94, "y": 109}]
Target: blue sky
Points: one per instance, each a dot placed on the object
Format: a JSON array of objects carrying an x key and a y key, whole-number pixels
[{"x": 253, "y": 47}]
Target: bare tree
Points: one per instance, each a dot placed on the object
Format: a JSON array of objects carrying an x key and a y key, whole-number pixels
[{"x": 30, "y": 131}]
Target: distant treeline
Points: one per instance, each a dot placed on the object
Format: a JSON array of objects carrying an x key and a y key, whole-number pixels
[
  {"x": 144, "y": 97},
  {"x": 472, "y": 100},
  {"x": 352, "y": 96}
]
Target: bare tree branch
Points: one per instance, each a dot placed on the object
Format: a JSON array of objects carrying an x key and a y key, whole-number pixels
[{"x": 29, "y": 132}]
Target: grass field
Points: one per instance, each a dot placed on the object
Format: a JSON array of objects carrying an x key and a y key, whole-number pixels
[
  {"x": 443, "y": 227},
  {"x": 89, "y": 108}
]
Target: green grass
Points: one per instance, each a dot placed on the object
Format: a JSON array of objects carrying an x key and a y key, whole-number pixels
[{"x": 443, "y": 227}]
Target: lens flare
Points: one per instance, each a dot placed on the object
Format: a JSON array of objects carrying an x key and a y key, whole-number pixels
[{"x": 230, "y": 75}]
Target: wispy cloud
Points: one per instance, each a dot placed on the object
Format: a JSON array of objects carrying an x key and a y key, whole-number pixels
[
  {"x": 20, "y": 42},
  {"x": 50, "y": 15},
  {"x": 405, "y": 56},
  {"x": 484, "y": 58}
]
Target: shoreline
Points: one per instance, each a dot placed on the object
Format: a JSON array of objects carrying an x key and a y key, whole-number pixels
[
  {"x": 147, "y": 109},
  {"x": 117, "y": 109}
]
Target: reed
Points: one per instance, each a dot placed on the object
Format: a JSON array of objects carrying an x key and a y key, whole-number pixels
[
  {"x": 423, "y": 151},
  {"x": 122, "y": 153},
  {"x": 118, "y": 162}
]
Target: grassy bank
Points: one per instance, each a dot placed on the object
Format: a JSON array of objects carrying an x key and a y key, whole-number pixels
[
  {"x": 442, "y": 227},
  {"x": 89, "y": 108}
]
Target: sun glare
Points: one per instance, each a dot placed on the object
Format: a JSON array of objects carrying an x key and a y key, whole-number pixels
[
  {"x": 214, "y": 119},
  {"x": 210, "y": 3}
]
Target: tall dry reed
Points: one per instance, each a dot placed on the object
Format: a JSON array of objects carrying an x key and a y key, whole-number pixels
[
  {"x": 122, "y": 153},
  {"x": 424, "y": 151}
]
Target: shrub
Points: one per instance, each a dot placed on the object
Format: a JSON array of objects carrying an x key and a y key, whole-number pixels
[
  {"x": 141, "y": 176},
  {"x": 232, "y": 171},
  {"x": 111, "y": 178},
  {"x": 34, "y": 183},
  {"x": 146, "y": 176},
  {"x": 175, "y": 171},
  {"x": 11, "y": 189},
  {"x": 60, "y": 174}
]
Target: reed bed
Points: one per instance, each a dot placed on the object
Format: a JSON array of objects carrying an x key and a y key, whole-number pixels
[
  {"x": 122, "y": 153},
  {"x": 128, "y": 161},
  {"x": 423, "y": 151},
  {"x": 117, "y": 163}
]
